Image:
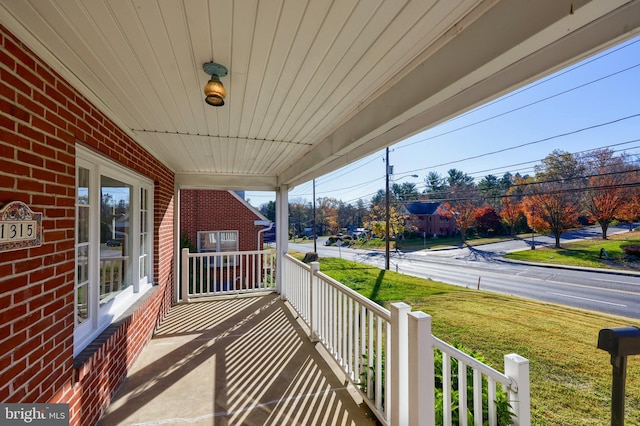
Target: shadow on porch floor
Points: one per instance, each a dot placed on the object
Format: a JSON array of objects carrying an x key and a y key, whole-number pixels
[{"x": 243, "y": 361}]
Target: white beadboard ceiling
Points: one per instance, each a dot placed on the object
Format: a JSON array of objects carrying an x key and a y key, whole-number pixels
[{"x": 313, "y": 84}]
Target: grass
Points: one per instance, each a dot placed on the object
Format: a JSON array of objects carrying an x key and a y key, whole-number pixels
[
  {"x": 428, "y": 243},
  {"x": 585, "y": 253},
  {"x": 570, "y": 377}
]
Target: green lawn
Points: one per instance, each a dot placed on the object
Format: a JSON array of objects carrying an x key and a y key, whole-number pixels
[
  {"x": 585, "y": 253},
  {"x": 570, "y": 377},
  {"x": 428, "y": 243}
]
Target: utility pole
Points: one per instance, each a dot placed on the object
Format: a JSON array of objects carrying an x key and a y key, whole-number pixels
[{"x": 386, "y": 202}]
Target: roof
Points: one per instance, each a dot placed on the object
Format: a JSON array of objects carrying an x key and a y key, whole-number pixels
[
  {"x": 312, "y": 85},
  {"x": 422, "y": 207}
]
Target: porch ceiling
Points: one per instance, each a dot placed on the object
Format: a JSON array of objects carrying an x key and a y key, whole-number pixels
[{"x": 313, "y": 85}]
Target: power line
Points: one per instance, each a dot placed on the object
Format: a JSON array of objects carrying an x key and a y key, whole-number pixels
[
  {"x": 520, "y": 107},
  {"x": 499, "y": 151}
]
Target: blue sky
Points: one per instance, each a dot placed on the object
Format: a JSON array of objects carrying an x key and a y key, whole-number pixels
[{"x": 589, "y": 105}]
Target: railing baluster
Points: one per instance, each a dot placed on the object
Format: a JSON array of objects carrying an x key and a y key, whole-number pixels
[
  {"x": 370, "y": 357},
  {"x": 477, "y": 397},
  {"x": 462, "y": 392},
  {"x": 446, "y": 389},
  {"x": 491, "y": 393},
  {"x": 378, "y": 362}
]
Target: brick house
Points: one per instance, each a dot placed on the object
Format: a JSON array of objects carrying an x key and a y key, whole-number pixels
[
  {"x": 425, "y": 217},
  {"x": 204, "y": 211}
]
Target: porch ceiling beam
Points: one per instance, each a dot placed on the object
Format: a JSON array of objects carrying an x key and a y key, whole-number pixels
[{"x": 231, "y": 182}]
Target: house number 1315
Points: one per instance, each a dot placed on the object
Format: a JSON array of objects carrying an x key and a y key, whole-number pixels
[{"x": 17, "y": 231}]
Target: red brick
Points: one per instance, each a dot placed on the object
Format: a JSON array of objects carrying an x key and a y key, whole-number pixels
[
  {"x": 14, "y": 168},
  {"x": 7, "y": 60},
  {"x": 27, "y": 264},
  {"x": 45, "y": 149},
  {"x": 29, "y": 76},
  {"x": 19, "y": 52},
  {"x": 30, "y": 158},
  {"x": 7, "y": 91},
  {"x": 14, "y": 81},
  {"x": 13, "y": 282}
]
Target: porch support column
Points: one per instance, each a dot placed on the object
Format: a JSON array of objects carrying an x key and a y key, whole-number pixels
[
  {"x": 282, "y": 230},
  {"x": 177, "y": 266}
]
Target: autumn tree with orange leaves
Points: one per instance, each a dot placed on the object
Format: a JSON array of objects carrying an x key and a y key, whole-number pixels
[
  {"x": 511, "y": 213},
  {"x": 630, "y": 210},
  {"x": 606, "y": 192},
  {"x": 462, "y": 208},
  {"x": 552, "y": 200}
]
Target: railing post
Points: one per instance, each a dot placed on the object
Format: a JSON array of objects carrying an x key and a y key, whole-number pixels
[
  {"x": 517, "y": 368},
  {"x": 184, "y": 270},
  {"x": 399, "y": 371},
  {"x": 421, "y": 371},
  {"x": 313, "y": 335}
]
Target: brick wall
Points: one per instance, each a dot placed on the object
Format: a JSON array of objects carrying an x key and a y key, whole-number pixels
[
  {"x": 42, "y": 118},
  {"x": 212, "y": 210}
]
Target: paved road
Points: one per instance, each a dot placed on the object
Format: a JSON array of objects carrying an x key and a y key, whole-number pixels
[{"x": 484, "y": 266}]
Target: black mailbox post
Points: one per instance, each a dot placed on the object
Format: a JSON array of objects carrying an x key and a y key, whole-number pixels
[{"x": 620, "y": 343}]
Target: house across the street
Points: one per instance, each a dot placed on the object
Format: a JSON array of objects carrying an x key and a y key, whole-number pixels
[{"x": 427, "y": 217}]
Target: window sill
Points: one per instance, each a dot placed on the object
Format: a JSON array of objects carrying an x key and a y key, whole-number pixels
[{"x": 82, "y": 363}]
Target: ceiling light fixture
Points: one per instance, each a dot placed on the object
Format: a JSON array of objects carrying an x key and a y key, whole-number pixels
[{"x": 214, "y": 90}]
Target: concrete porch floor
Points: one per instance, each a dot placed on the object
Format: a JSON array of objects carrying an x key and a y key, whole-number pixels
[{"x": 242, "y": 361}]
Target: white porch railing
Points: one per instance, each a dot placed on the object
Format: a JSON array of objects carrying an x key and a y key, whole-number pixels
[
  {"x": 224, "y": 273},
  {"x": 389, "y": 355},
  {"x": 111, "y": 273},
  {"x": 353, "y": 329}
]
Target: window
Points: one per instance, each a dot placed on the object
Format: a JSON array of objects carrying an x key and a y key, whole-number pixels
[
  {"x": 219, "y": 241},
  {"x": 113, "y": 243}
]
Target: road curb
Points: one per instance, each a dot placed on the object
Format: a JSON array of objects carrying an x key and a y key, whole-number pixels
[{"x": 574, "y": 268}]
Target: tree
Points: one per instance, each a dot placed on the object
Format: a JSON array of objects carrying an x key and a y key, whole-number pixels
[
  {"x": 327, "y": 214},
  {"x": 378, "y": 199},
  {"x": 506, "y": 181},
  {"x": 511, "y": 213},
  {"x": 458, "y": 178},
  {"x": 347, "y": 214},
  {"x": 605, "y": 194},
  {"x": 630, "y": 210},
  {"x": 405, "y": 191},
  {"x": 462, "y": 213},
  {"x": 561, "y": 166},
  {"x": 552, "y": 209},
  {"x": 487, "y": 221},
  {"x": 491, "y": 188},
  {"x": 435, "y": 185},
  {"x": 299, "y": 216},
  {"x": 269, "y": 210},
  {"x": 376, "y": 221},
  {"x": 552, "y": 202}
]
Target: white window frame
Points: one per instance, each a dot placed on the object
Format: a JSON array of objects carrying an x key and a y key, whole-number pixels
[
  {"x": 228, "y": 260},
  {"x": 100, "y": 317}
]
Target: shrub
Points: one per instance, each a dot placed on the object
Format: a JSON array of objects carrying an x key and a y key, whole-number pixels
[
  {"x": 503, "y": 408},
  {"x": 632, "y": 250}
]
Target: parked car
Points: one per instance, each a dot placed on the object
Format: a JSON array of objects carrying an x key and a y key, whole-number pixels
[{"x": 114, "y": 243}]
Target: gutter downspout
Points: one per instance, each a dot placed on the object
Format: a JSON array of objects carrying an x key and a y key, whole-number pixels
[{"x": 263, "y": 223}]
